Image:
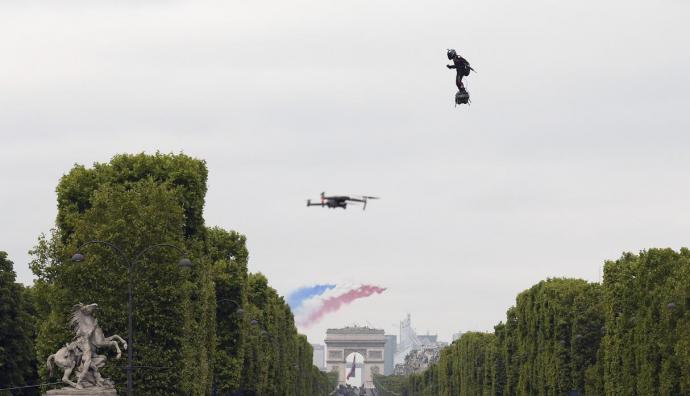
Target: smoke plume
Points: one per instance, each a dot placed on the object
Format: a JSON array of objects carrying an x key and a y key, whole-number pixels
[
  {"x": 297, "y": 297},
  {"x": 330, "y": 304}
]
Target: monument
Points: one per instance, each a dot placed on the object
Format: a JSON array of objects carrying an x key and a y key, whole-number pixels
[
  {"x": 369, "y": 343},
  {"x": 80, "y": 356}
]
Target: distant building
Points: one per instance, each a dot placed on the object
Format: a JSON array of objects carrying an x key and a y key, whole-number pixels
[
  {"x": 410, "y": 341},
  {"x": 319, "y": 356},
  {"x": 389, "y": 354},
  {"x": 428, "y": 339},
  {"x": 457, "y": 335},
  {"x": 415, "y": 352},
  {"x": 345, "y": 344}
]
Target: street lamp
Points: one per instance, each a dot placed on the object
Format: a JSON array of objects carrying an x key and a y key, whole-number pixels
[
  {"x": 183, "y": 263},
  {"x": 238, "y": 308},
  {"x": 263, "y": 331}
]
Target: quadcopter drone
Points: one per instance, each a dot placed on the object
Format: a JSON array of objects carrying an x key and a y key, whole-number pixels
[{"x": 341, "y": 201}]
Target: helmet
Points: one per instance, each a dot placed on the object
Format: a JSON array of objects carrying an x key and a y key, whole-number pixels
[{"x": 452, "y": 54}]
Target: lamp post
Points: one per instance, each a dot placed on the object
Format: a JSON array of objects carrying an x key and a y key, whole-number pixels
[
  {"x": 256, "y": 322},
  {"x": 238, "y": 307},
  {"x": 184, "y": 263},
  {"x": 264, "y": 332}
]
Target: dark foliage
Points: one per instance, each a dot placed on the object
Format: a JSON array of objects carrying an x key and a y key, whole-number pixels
[
  {"x": 191, "y": 325},
  {"x": 17, "y": 332},
  {"x": 629, "y": 336}
]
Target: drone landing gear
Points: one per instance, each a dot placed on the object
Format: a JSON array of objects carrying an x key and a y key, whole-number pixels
[{"x": 462, "y": 97}]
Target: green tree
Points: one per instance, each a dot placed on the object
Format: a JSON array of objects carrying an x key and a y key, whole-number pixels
[
  {"x": 185, "y": 175},
  {"x": 548, "y": 346},
  {"x": 278, "y": 360},
  {"x": 472, "y": 353},
  {"x": 228, "y": 252},
  {"x": 557, "y": 335},
  {"x": 17, "y": 357},
  {"x": 192, "y": 327},
  {"x": 647, "y": 305},
  {"x": 130, "y": 204},
  {"x": 390, "y": 385},
  {"x": 629, "y": 336}
]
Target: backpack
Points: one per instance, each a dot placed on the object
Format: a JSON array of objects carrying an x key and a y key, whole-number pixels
[{"x": 467, "y": 68}]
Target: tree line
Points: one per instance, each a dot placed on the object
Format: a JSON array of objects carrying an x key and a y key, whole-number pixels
[
  {"x": 628, "y": 336},
  {"x": 213, "y": 328}
]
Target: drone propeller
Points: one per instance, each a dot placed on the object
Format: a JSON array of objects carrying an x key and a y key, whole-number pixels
[
  {"x": 365, "y": 198},
  {"x": 362, "y": 203}
]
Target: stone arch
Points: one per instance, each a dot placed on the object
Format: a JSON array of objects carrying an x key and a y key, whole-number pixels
[
  {"x": 340, "y": 343},
  {"x": 359, "y": 360}
]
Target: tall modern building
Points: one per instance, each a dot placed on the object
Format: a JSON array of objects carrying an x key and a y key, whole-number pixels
[
  {"x": 428, "y": 339},
  {"x": 389, "y": 354},
  {"x": 319, "y": 356},
  {"x": 410, "y": 341}
]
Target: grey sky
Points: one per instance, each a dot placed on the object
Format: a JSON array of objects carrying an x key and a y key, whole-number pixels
[{"x": 575, "y": 147}]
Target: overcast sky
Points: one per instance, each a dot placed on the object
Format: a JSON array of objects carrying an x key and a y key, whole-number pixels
[{"x": 575, "y": 147}]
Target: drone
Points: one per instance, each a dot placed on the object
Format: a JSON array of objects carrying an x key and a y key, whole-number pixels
[{"x": 341, "y": 201}]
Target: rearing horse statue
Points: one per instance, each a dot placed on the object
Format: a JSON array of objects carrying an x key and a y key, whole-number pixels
[{"x": 82, "y": 351}]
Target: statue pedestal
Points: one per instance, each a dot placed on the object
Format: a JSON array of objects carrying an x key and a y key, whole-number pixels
[{"x": 95, "y": 391}]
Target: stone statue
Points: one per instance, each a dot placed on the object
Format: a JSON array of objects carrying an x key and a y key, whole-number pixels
[{"x": 80, "y": 354}]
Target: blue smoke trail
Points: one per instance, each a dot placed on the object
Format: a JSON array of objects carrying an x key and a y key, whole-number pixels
[{"x": 297, "y": 297}]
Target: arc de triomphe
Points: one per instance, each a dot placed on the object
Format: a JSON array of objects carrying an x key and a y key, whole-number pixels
[{"x": 367, "y": 342}]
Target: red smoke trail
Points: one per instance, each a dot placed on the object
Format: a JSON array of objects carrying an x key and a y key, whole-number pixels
[{"x": 333, "y": 304}]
